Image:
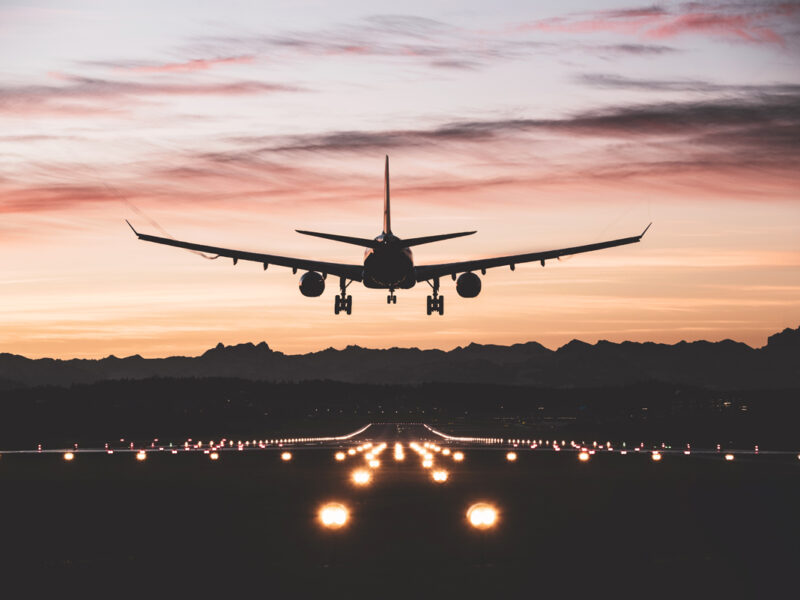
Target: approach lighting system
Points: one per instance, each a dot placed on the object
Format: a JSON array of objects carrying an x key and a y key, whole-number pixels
[
  {"x": 333, "y": 515},
  {"x": 482, "y": 516}
]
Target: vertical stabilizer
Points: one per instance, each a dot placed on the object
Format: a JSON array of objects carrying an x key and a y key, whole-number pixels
[{"x": 387, "y": 212}]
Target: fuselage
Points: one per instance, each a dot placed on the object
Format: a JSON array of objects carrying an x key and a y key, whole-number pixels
[{"x": 390, "y": 265}]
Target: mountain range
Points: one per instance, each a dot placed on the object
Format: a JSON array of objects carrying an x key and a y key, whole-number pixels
[{"x": 725, "y": 364}]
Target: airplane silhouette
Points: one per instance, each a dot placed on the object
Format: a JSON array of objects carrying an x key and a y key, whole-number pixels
[{"x": 388, "y": 262}]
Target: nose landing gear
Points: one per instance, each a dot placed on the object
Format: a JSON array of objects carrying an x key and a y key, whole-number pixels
[{"x": 391, "y": 298}]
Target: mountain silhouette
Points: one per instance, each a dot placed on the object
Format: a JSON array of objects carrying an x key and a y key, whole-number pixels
[{"x": 717, "y": 365}]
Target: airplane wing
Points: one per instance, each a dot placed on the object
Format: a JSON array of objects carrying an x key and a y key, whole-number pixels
[
  {"x": 352, "y": 272},
  {"x": 426, "y": 272}
]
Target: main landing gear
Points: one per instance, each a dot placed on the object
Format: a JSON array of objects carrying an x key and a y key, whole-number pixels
[
  {"x": 391, "y": 298},
  {"x": 435, "y": 302},
  {"x": 343, "y": 302}
]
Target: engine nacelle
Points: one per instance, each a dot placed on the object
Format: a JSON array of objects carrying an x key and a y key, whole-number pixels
[
  {"x": 468, "y": 285},
  {"x": 312, "y": 284}
]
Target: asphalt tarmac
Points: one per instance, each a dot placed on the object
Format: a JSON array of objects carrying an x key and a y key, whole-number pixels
[{"x": 248, "y": 523}]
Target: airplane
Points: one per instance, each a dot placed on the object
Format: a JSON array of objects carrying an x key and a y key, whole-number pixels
[{"x": 388, "y": 262}]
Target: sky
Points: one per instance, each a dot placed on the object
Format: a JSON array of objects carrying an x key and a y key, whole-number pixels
[{"x": 539, "y": 124}]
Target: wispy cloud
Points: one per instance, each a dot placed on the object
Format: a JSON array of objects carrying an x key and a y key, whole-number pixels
[
  {"x": 86, "y": 95},
  {"x": 751, "y": 22}
]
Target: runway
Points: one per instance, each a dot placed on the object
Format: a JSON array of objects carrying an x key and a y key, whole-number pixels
[{"x": 249, "y": 517}]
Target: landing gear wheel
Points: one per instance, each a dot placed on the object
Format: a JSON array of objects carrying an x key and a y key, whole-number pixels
[
  {"x": 343, "y": 302},
  {"x": 436, "y": 302},
  {"x": 391, "y": 299}
]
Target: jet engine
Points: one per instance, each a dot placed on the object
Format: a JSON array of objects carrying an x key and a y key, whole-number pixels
[
  {"x": 468, "y": 285},
  {"x": 312, "y": 284}
]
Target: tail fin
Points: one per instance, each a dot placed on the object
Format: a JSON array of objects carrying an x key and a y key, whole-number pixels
[{"x": 387, "y": 211}]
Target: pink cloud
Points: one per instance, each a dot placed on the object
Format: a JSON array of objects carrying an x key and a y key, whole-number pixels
[
  {"x": 199, "y": 64},
  {"x": 753, "y": 24}
]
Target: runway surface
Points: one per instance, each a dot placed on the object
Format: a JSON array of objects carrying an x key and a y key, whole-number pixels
[{"x": 249, "y": 521}]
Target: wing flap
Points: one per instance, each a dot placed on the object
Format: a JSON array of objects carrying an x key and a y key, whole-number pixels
[
  {"x": 352, "y": 272},
  {"x": 426, "y": 272}
]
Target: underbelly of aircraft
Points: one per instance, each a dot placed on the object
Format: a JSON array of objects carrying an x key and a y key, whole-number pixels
[{"x": 384, "y": 271}]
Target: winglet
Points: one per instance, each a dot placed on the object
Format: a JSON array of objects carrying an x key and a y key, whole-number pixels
[
  {"x": 645, "y": 231},
  {"x": 132, "y": 229}
]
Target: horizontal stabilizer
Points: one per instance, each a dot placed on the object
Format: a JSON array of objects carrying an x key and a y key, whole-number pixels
[
  {"x": 435, "y": 238},
  {"x": 363, "y": 242}
]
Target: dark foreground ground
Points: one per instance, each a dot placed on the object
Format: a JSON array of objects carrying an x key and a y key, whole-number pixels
[{"x": 184, "y": 526}]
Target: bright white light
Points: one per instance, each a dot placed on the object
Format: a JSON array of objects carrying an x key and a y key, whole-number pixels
[
  {"x": 583, "y": 456},
  {"x": 482, "y": 516},
  {"x": 374, "y": 463},
  {"x": 427, "y": 463},
  {"x": 446, "y": 451},
  {"x": 361, "y": 477},
  {"x": 656, "y": 456},
  {"x": 286, "y": 456},
  {"x": 458, "y": 456},
  {"x": 511, "y": 456},
  {"x": 439, "y": 476},
  {"x": 141, "y": 455},
  {"x": 333, "y": 515},
  {"x": 352, "y": 451},
  {"x": 340, "y": 456},
  {"x": 729, "y": 457},
  {"x": 213, "y": 456},
  {"x": 68, "y": 456}
]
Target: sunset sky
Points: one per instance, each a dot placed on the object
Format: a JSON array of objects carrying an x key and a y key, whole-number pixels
[{"x": 540, "y": 124}]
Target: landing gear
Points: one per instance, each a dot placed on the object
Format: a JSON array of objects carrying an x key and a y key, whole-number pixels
[
  {"x": 391, "y": 298},
  {"x": 435, "y": 302},
  {"x": 343, "y": 302}
]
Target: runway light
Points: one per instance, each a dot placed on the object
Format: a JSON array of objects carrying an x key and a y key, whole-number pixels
[
  {"x": 656, "y": 456},
  {"x": 333, "y": 515},
  {"x": 482, "y": 516},
  {"x": 729, "y": 457},
  {"x": 340, "y": 456},
  {"x": 361, "y": 477},
  {"x": 213, "y": 456},
  {"x": 440, "y": 476},
  {"x": 458, "y": 456},
  {"x": 286, "y": 456},
  {"x": 141, "y": 455},
  {"x": 511, "y": 456},
  {"x": 583, "y": 456},
  {"x": 68, "y": 456}
]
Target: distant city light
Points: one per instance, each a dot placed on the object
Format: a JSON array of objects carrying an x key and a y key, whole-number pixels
[
  {"x": 333, "y": 515},
  {"x": 583, "y": 456},
  {"x": 511, "y": 456},
  {"x": 68, "y": 456},
  {"x": 729, "y": 457},
  {"x": 286, "y": 456},
  {"x": 141, "y": 455},
  {"x": 656, "y": 456},
  {"x": 482, "y": 515},
  {"x": 213, "y": 456}
]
